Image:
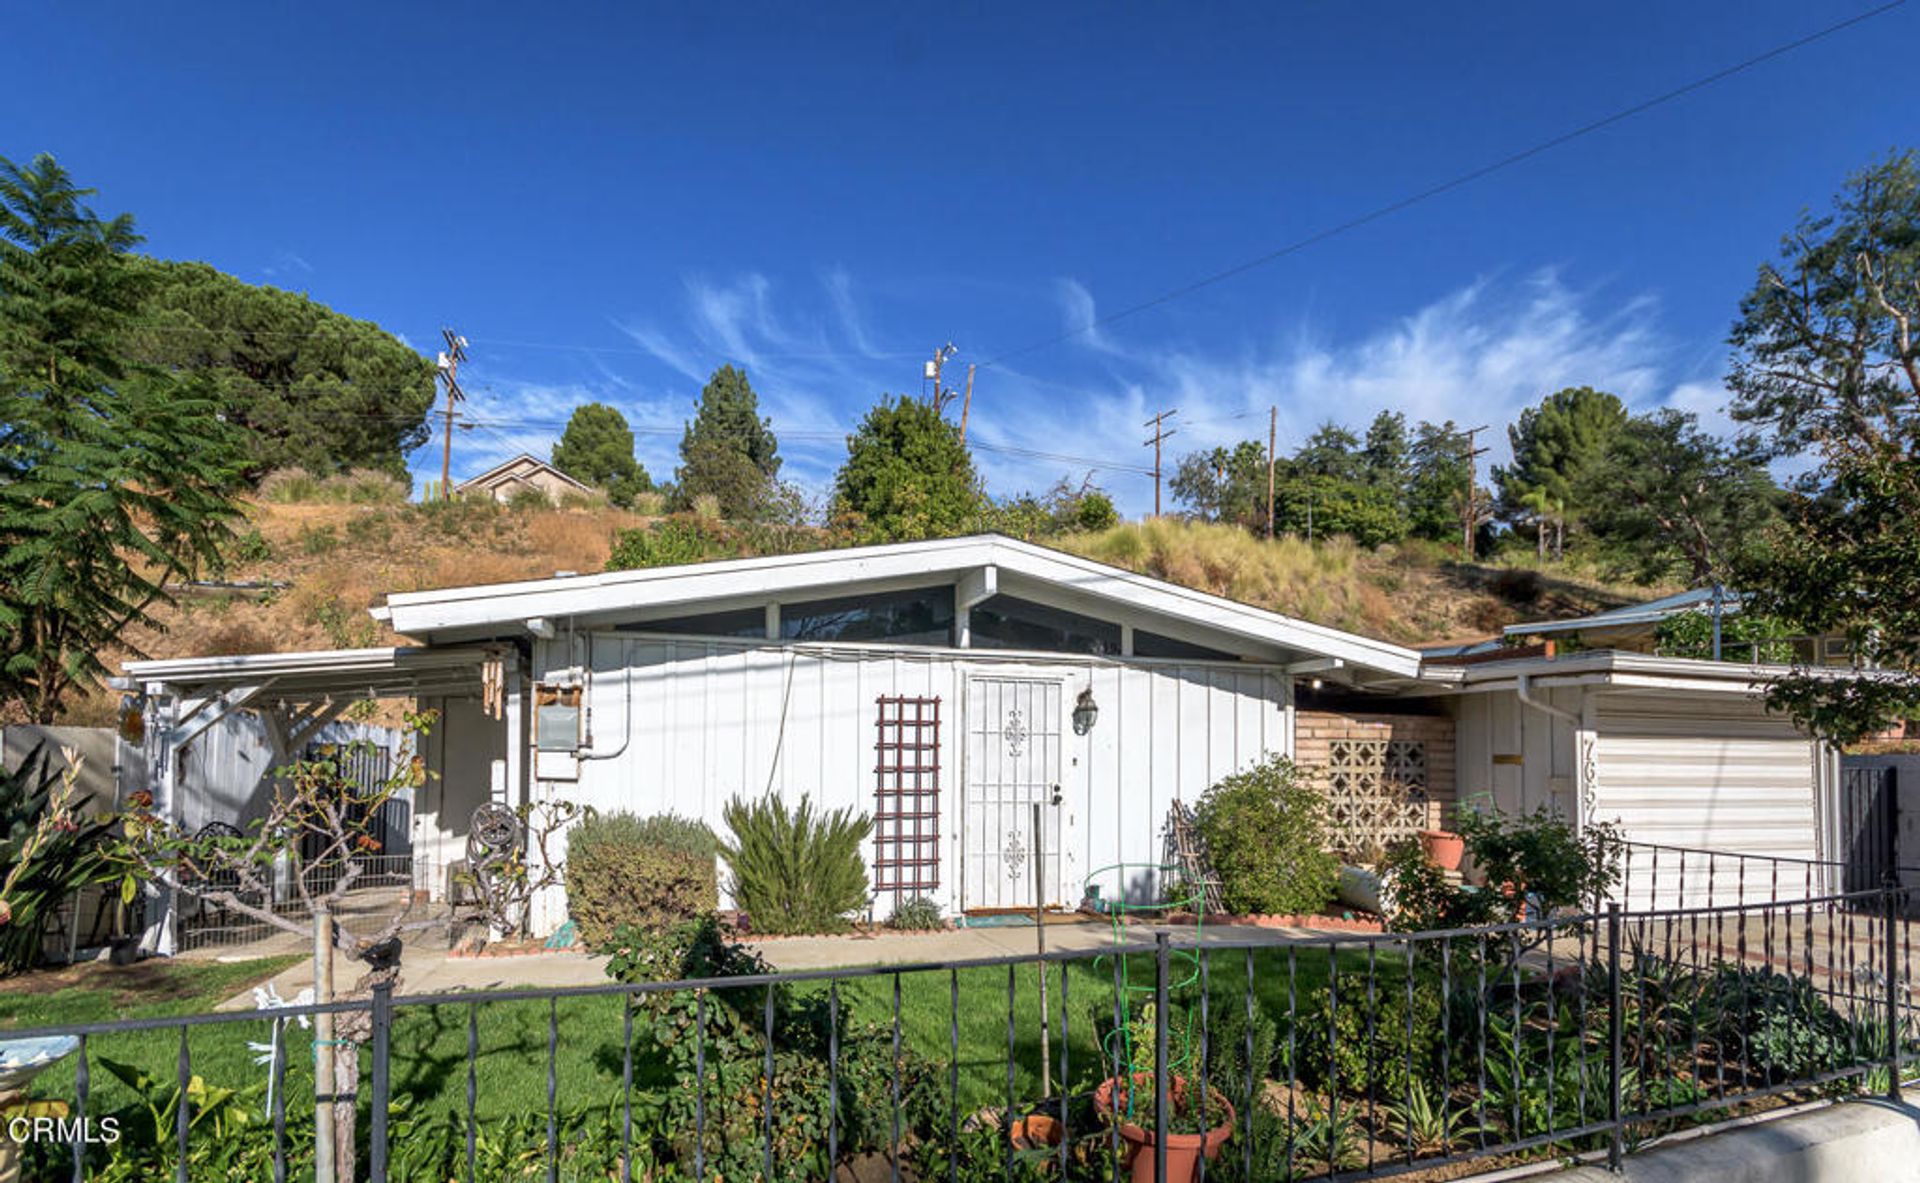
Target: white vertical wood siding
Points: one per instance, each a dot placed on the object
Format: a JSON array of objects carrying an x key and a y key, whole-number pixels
[
  {"x": 1494, "y": 729},
  {"x": 711, "y": 719},
  {"x": 1711, "y": 774}
]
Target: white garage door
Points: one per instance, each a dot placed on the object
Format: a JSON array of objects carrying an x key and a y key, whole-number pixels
[{"x": 1681, "y": 771}]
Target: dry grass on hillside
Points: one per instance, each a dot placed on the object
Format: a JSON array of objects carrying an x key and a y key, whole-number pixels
[
  {"x": 339, "y": 559},
  {"x": 1410, "y": 593}
]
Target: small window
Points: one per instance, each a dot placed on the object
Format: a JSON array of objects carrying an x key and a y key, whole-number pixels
[
  {"x": 1146, "y": 644},
  {"x": 920, "y": 616},
  {"x": 1005, "y": 622},
  {"x": 741, "y": 622}
]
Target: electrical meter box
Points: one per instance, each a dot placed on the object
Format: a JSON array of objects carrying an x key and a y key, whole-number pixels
[{"x": 558, "y": 712}]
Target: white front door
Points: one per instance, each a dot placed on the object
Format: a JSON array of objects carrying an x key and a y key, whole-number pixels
[{"x": 1013, "y": 763}]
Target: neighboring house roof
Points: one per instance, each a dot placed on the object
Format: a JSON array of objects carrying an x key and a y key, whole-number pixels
[
  {"x": 518, "y": 468},
  {"x": 1632, "y": 615},
  {"x": 984, "y": 564}
]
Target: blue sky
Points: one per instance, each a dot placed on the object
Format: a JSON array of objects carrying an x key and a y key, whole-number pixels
[{"x": 611, "y": 201}]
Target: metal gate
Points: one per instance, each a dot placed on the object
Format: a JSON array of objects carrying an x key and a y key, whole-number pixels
[
  {"x": 363, "y": 771},
  {"x": 1013, "y": 763},
  {"x": 1869, "y": 825}
]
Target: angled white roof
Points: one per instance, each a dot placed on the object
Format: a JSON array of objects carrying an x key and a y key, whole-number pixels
[
  {"x": 526, "y": 460},
  {"x": 1019, "y": 568}
]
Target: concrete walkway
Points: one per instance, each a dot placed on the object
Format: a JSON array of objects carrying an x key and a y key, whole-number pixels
[
  {"x": 429, "y": 969},
  {"x": 796, "y": 953}
]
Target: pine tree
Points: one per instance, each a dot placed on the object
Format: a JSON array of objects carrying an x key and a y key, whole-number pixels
[
  {"x": 729, "y": 450},
  {"x": 1554, "y": 446},
  {"x": 115, "y": 478},
  {"x": 597, "y": 448}
]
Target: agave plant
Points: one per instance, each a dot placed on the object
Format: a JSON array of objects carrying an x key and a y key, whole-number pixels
[
  {"x": 1430, "y": 1128},
  {"x": 1329, "y": 1136}
]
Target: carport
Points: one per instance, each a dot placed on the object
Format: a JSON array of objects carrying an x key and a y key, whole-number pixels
[{"x": 294, "y": 695}]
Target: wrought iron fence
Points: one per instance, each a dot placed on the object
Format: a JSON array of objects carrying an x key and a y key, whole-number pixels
[
  {"x": 1653, "y": 875},
  {"x": 1349, "y": 1056}
]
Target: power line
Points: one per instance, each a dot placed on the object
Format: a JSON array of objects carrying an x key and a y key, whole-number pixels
[{"x": 1447, "y": 186}]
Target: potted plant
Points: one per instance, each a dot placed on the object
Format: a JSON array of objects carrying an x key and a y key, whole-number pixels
[
  {"x": 1129, "y": 1102},
  {"x": 1444, "y": 848}
]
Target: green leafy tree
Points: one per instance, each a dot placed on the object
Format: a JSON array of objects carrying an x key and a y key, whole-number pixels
[
  {"x": 1311, "y": 504},
  {"x": 728, "y": 450},
  {"x": 1554, "y": 444},
  {"x": 1824, "y": 350},
  {"x": 310, "y": 387},
  {"x": 1386, "y": 457},
  {"x": 1225, "y": 484},
  {"x": 1437, "y": 482},
  {"x": 907, "y": 475},
  {"x": 597, "y": 448},
  {"x": 1670, "y": 501},
  {"x": 1826, "y": 363},
  {"x": 115, "y": 477},
  {"x": 1332, "y": 451}
]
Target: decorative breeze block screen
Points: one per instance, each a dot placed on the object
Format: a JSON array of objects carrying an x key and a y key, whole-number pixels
[
  {"x": 906, "y": 805},
  {"x": 1376, "y": 792}
]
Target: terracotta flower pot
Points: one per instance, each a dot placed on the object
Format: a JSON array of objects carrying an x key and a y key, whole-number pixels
[
  {"x": 1443, "y": 848},
  {"x": 1036, "y": 1130},
  {"x": 1183, "y": 1150}
]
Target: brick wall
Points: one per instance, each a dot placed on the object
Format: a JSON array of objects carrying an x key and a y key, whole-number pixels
[{"x": 1316, "y": 730}]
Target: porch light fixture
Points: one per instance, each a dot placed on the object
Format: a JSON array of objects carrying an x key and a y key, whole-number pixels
[{"x": 1085, "y": 712}]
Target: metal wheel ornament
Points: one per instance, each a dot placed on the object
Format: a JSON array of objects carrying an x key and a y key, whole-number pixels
[{"x": 494, "y": 827}]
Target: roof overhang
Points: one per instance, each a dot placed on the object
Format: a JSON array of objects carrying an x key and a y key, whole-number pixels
[
  {"x": 1020, "y": 568},
  {"x": 1621, "y": 669},
  {"x": 296, "y": 679}
]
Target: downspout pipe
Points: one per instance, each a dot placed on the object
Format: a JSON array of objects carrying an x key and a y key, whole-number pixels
[{"x": 1523, "y": 688}]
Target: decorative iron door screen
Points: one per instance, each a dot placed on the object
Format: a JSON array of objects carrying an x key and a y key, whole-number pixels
[
  {"x": 1013, "y": 763},
  {"x": 906, "y": 797}
]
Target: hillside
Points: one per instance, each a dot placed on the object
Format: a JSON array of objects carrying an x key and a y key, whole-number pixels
[{"x": 325, "y": 564}]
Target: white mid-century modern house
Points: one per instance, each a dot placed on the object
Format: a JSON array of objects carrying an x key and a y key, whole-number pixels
[{"x": 947, "y": 687}]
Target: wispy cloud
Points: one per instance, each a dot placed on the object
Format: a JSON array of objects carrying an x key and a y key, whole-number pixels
[
  {"x": 287, "y": 264},
  {"x": 1477, "y": 354}
]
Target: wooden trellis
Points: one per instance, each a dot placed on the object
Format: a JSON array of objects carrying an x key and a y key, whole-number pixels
[{"x": 906, "y": 805}]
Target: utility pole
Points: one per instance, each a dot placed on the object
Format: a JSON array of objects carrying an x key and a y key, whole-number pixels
[
  {"x": 932, "y": 371},
  {"x": 1471, "y": 521},
  {"x": 1160, "y": 434},
  {"x": 449, "y": 367},
  {"x": 966, "y": 406},
  {"x": 1273, "y": 432}
]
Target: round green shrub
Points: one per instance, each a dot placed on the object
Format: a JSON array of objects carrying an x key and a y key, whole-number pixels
[
  {"x": 647, "y": 872},
  {"x": 1266, "y": 835}
]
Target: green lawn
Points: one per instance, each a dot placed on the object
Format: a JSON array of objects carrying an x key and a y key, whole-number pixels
[
  {"x": 430, "y": 1043},
  {"x": 511, "y": 1068}
]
